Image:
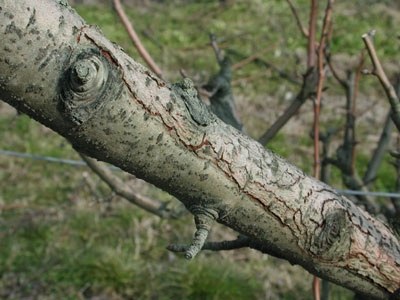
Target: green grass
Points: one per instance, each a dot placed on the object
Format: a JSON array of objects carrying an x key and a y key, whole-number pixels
[{"x": 64, "y": 235}]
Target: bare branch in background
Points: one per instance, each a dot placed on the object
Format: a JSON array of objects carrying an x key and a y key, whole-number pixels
[
  {"x": 312, "y": 28},
  {"x": 321, "y": 78},
  {"x": 259, "y": 61},
  {"x": 380, "y": 73},
  {"x": 222, "y": 102},
  {"x": 122, "y": 189},
  {"x": 307, "y": 90},
  {"x": 345, "y": 154},
  {"x": 136, "y": 40},
  {"x": 326, "y": 139},
  {"x": 379, "y": 152},
  {"x": 249, "y": 59},
  {"x": 310, "y": 80},
  {"x": 333, "y": 70},
  {"x": 297, "y": 18}
]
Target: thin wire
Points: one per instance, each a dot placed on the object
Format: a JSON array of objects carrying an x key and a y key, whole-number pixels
[
  {"x": 81, "y": 163},
  {"x": 374, "y": 194},
  {"x": 52, "y": 159}
]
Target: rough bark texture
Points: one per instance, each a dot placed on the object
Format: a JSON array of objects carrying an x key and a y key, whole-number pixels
[{"x": 66, "y": 75}]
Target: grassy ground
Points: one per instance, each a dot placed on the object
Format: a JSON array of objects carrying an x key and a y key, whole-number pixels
[{"x": 65, "y": 235}]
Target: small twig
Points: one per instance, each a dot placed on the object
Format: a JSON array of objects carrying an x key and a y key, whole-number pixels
[
  {"x": 267, "y": 65},
  {"x": 136, "y": 40},
  {"x": 217, "y": 50},
  {"x": 222, "y": 102},
  {"x": 298, "y": 21},
  {"x": 380, "y": 73},
  {"x": 328, "y": 58},
  {"x": 248, "y": 60}
]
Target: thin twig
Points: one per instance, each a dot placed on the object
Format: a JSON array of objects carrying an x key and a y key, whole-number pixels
[
  {"x": 267, "y": 65},
  {"x": 136, "y": 40},
  {"x": 222, "y": 102},
  {"x": 298, "y": 21},
  {"x": 328, "y": 58},
  {"x": 248, "y": 60},
  {"x": 217, "y": 50},
  {"x": 380, "y": 73},
  {"x": 120, "y": 188}
]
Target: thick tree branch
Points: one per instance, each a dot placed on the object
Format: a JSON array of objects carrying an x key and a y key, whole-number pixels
[{"x": 73, "y": 80}]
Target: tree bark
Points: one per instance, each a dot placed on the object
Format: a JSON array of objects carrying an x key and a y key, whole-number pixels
[{"x": 65, "y": 74}]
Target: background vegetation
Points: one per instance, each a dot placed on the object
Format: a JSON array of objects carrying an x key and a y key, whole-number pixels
[{"x": 65, "y": 235}]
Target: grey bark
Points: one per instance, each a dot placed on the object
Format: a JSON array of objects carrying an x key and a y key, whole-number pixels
[{"x": 66, "y": 75}]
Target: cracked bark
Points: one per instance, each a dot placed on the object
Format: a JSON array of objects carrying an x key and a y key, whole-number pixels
[{"x": 66, "y": 75}]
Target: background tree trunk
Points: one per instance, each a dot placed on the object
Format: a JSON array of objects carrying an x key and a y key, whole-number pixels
[{"x": 66, "y": 75}]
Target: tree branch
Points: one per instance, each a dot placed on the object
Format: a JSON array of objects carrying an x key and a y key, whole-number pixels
[
  {"x": 136, "y": 40},
  {"x": 303, "y": 30},
  {"x": 155, "y": 207},
  {"x": 321, "y": 78},
  {"x": 379, "y": 152},
  {"x": 307, "y": 89},
  {"x": 312, "y": 28},
  {"x": 111, "y": 108},
  {"x": 381, "y": 75},
  {"x": 222, "y": 102}
]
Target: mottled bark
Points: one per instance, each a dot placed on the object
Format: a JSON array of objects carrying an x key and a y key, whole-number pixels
[{"x": 66, "y": 75}]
